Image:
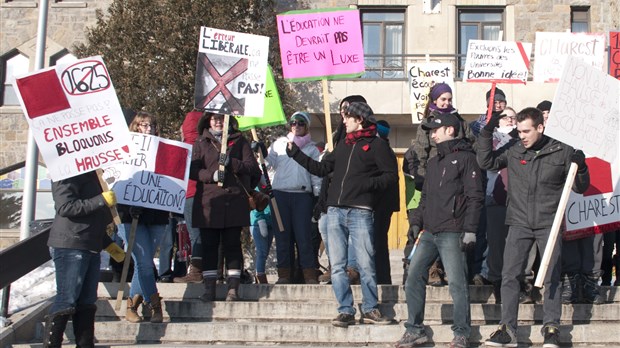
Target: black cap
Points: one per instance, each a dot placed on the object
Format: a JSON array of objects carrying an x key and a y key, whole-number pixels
[
  {"x": 442, "y": 120},
  {"x": 499, "y": 95},
  {"x": 362, "y": 110}
]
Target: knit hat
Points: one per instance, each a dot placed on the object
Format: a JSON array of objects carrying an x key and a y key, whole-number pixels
[
  {"x": 499, "y": 95},
  {"x": 544, "y": 105},
  {"x": 352, "y": 99},
  {"x": 442, "y": 120},
  {"x": 362, "y": 110},
  {"x": 301, "y": 116},
  {"x": 439, "y": 89},
  {"x": 383, "y": 128},
  {"x": 189, "y": 128}
]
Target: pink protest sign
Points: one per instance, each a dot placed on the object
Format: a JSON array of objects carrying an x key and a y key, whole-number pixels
[{"x": 315, "y": 45}]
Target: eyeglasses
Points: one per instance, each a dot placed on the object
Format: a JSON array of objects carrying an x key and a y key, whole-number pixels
[
  {"x": 147, "y": 125},
  {"x": 508, "y": 117},
  {"x": 297, "y": 123}
]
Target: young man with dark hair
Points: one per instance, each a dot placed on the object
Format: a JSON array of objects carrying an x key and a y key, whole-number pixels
[
  {"x": 537, "y": 170},
  {"x": 363, "y": 167},
  {"x": 449, "y": 211}
]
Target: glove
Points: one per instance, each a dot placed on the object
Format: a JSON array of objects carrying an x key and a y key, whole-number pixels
[
  {"x": 413, "y": 233},
  {"x": 292, "y": 149},
  {"x": 135, "y": 212},
  {"x": 259, "y": 146},
  {"x": 109, "y": 197},
  {"x": 579, "y": 158},
  {"x": 110, "y": 229},
  {"x": 262, "y": 228},
  {"x": 468, "y": 241},
  {"x": 224, "y": 159},
  {"x": 493, "y": 122},
  {"x": 116, "y": 252},
  {"x": 218, "y": 176}
]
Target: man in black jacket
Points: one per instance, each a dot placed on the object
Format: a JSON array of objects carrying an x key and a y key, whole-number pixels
[
  {"x": 76, "y": 238},
  {"x": 537, "y": 170},
  {"x": 449, "y": 211},
  {"x": 363, "y": 167}
]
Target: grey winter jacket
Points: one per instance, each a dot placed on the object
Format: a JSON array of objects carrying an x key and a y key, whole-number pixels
[{"x": 535, "y": 179}]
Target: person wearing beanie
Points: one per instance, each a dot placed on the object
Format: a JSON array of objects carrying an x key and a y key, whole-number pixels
[
  {"x": 545, "y": 107},
  {"x": 294, "y": 188},
  {"x": 189, "y": 134},
  {"x": 362, "y": 167},
  {"x": 498, "y": 104}
]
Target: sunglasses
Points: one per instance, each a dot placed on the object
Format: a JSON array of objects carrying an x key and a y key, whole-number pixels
[{"x": 297, "y": 123}]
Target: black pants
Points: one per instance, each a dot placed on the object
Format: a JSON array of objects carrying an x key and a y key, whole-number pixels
[
  {"x": 382, "y": 219},
  {"x": 231, "y": 241}
]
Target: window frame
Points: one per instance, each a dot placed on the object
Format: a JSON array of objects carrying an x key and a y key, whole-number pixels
[
  {"x": 461, "y": 56},
  {"x": 4, "y": 60},
  {"x": 581, "y": 10},
  {"x": 382, "y": 68}
]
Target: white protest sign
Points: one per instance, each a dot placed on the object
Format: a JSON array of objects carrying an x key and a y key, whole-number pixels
[
  {"x": 585, "y": 111},
  {"x": 423, "y": 76},
  {"x": 497, "y": 61},
  {"x": 75, "y": 117},
  {"x": 231, "y": 72},
  {"x": 552, "y": 49},
  {"x": 156, "y": 177}
]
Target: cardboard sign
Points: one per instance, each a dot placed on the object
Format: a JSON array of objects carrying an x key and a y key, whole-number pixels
[
  {"x": 497, "y": 61},
  {"x": 318, "y": 44},
  {"x": 422, "y": 77},
  {"x": 75, "y": 117},
  {"x": 614, "y": 54},
  {"x": 585, "y": 112},
  {"x": 273, "y": 114},
  {"x": 230, "y": 72},
  {"x": 598, "y": 209},
  {"x": 552, "y": 49},
  {"x": 156, "y": 177}
]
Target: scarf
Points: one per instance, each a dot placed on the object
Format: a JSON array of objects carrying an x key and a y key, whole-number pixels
[
  {"x": 448, "y": 110},
  {"x": 353, "y": 137},
  {"x": 299, "y": 141},
  {"x": 216, "y": 134}
]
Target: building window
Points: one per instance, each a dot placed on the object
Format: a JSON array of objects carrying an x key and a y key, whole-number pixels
[
  {"x": 580, "y": 19},
  {"x": 477, "y": 24},
  {"x": 384, "y": 43},
  {"x": 13, "y": 64}
]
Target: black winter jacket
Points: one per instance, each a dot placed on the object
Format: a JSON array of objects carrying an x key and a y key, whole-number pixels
[
  {"x": 453, "y": 194},
  {"x": 361, "y": 171},
  {"x": 81, "y": 214},
  {"x": 535, "y": 179}
]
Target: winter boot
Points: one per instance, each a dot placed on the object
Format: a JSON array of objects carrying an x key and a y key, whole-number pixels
[
  {"x": 354, "y": 276},
  {"x": 591, "y": 291},
  {"x": 569, "y": 288},
  {"x": 284, "y": 276},
  {"x": 131, "y": 315},
  {"x": 233, "y": 289},
  {"x": 310, "y": 276},
  {"x": 157, "y": 315},
  {"x": 84, "y": 326},
  {"x": 261, "y": 278},
  {"x": 210, "y": 283},
  {"x": 326, "y": 277},
  {"x": 55, "y": 325},
  {"x": 436, "y": 275},
  {"x": 194, "y": 272}
]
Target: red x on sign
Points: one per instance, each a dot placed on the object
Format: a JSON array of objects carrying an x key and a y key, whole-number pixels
[{"x": 220, "y": 83}]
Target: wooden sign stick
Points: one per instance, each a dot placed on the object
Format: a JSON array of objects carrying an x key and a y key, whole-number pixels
[
  {"x": 104, "y": 187},
  {"x": 328, "y": 116},
  {"x": 223, "y": 149},
  {"x": 121, "y": 285}
]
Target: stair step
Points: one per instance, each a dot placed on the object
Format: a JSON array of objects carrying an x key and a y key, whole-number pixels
[
  {"x": 305, "y": 293},
  {"x": 435, "y": 313},
  {"x": 324, "y": 333}
]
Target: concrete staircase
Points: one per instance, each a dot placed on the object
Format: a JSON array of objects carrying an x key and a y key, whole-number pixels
[{"x": 301, "y": 314}]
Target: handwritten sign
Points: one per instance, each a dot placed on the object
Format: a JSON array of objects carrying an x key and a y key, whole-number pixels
[
  {"x": 585, "y": 112},
  {"x": 614, "y": 54},
  {"x": 314, "y": 45},
  {"x": 156, "y": 177},
  {"x": 273, "y": 114},
  {"x": 552, "y": 49},
  {"x": 230, "y": 72},
  {"x": 497, "y": 61},
  {"x": 598, "y": 209},
  {"x": 75, "y": 117},
  {"x": 423, "y": 76}
]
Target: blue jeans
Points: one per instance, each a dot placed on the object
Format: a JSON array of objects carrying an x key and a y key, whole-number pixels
[
  {"x": 194, "y": 233},
  {"x": 447, "y": 246},
  {"x": 77, "y": 277},
  {"x": 354, "y": 225},
  {"x": 262, "y": 244},
  {"x": 144, "y": 248},
  {"x": 165, "y": 247},
  {"x": 296, "y": 213},
  {"x": 324, "y": 236}
]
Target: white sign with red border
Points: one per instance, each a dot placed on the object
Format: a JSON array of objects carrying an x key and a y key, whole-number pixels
[{"x": 497, "y": 61}]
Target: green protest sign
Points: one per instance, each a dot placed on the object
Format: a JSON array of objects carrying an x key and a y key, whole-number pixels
[{"x": 273, "y": 114}]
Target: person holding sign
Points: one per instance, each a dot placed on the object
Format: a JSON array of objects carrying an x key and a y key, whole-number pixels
[
  {"x": 449, "y": 212},
  {"x": 221, "y": 211},
  {"x": 537, "y": 170},
  {"x": 363, "y": 168},
  {"x": 149, "y": 232},
  {"x": 498, "y": 104},
  {"x": 76, "y": 238}
]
